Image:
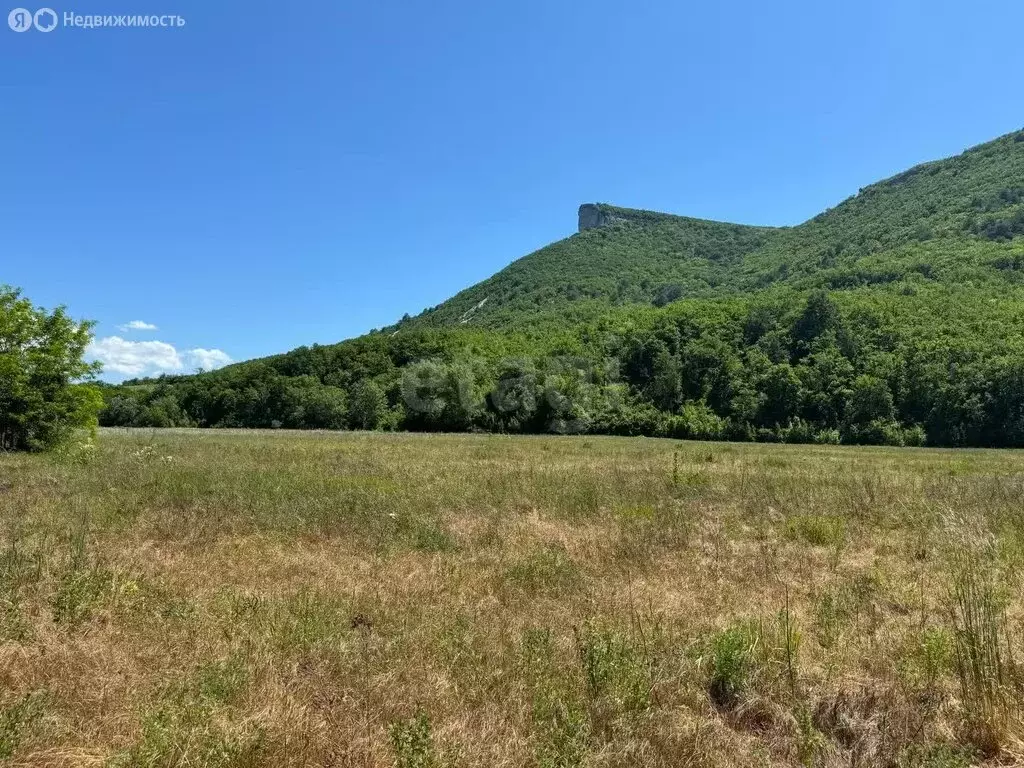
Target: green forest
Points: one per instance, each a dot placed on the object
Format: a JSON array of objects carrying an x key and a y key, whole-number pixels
[{"x": 894, "y": 318}]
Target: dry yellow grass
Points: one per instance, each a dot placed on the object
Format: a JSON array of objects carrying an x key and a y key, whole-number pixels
[{"x": 286, "y": 599}]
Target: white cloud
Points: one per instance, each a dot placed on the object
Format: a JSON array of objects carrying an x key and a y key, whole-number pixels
[
  {"x": 150, "y": 358},
  {"x": 134, "y": 358},
  {"x": 137, "y": 325},
  {"x": 207, "y": 359}
]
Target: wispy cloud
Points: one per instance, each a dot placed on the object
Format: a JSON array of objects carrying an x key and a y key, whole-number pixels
[
  {"x": 151, "y": 358},
  {"x": 136, "y": 325}
]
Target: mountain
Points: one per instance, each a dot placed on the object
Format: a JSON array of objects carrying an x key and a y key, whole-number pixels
[
  {"x": 896, "y": 317},
  {"x": 927, "y": 218},
  {"x": 630, "y": 257}
]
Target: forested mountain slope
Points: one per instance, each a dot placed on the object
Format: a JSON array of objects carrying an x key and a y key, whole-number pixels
[
  {"x": 895, "y": 317},
  {"x": 643, "y": 257},
  {"x": 935, "y": 219}
]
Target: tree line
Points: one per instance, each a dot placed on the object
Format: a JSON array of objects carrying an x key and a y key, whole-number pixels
[{"x": 793, "y": 367}]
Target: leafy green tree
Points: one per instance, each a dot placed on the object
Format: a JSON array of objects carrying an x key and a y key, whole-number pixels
[
  {"x": 1006, "y": 405},
  {"x": 464, "y": 396},
  {"x": 870, "y": 400},
  {"x": 667, "y": 294},
  {"x": 369, "y": 405},
  {"x": 570, "y": 396},
  {"x": 782, "y": 392},
  {"x": 121, "y": 410},
  {"x": 652, "y": 368},
  {"x": 424, "y": 393},
  {"x": 308, "y": 404},
  {"x": 45, "y": 394},
  {"x": 441, "y": 396},
  {"x": 710, "y": 372},
  {"x": 826, "y": 379},
  {"x": 514, "y": 399},
  {"x": 820, "y": 316},
  {"x": 164, "y": 411}
]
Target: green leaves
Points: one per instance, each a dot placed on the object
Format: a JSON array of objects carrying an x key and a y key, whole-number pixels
[{"x": 44, "y": 390}]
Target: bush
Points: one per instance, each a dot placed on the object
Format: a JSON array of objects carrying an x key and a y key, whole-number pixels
[
  {"x": 828, "y": 437},
  {"x": 699, "y": 422},
  {"x": 43, "y": 399},
  {"x": 882, "y": 432},
  {"x": 798, "y": 431}
]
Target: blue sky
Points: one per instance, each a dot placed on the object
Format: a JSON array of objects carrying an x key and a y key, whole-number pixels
[{"x": 271, "y": 174}]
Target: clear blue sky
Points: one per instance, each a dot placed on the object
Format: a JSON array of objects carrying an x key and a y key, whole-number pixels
[{"x": 277, "y": 174}]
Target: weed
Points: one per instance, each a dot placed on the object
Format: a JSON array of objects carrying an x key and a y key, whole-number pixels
[
  {"x": 732, "y": 659},
  {"x": 17, "y": 571},
  {"x": 935, "y": 756},
  {"x": 934, "y": 654},
  {"x": 221, "y": 681},
  {"x": 412, "y": 742},
  {"x": 307, "y": 620},
  {"x": 809, "y": 740},
  {"x": 754, "y": 653},
  {"x": 787, "y": 639},
  {"x": 16, "y": 719},
  {"x": 616, "y": 667},
  {"x": 831, "y": 614},
  {"x": 421, "y": 532},
  {"x": 646, "y": 530},
  {"x": 187, "y": 733},
  {"x": 190, "y": 725}
]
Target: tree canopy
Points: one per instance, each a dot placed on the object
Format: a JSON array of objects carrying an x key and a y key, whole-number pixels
[{"x": 44, "y": 390}]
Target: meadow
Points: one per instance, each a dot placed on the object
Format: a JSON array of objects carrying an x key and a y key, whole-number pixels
[{"x": 273, "y": 598}]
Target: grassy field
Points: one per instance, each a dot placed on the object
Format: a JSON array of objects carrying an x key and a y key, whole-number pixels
[{"x": 286, "y": 599}]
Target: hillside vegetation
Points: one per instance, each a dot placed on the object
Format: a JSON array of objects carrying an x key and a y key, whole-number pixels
[{"x": 895, "y": 317}]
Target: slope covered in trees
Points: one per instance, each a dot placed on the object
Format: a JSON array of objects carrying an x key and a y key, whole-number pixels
[
  {"x": 894, "y": 317},
  {"x": 945, "y": 220}
]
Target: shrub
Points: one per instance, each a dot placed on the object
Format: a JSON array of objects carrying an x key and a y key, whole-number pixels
[
  {"x": 699, "y": 422},
  {"x": 44, "y": 391}
]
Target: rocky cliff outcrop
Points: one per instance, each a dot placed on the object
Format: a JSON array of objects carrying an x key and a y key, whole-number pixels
[
  {"x": 592, "y": 217},
  {"x": 595, "y": 215}
]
